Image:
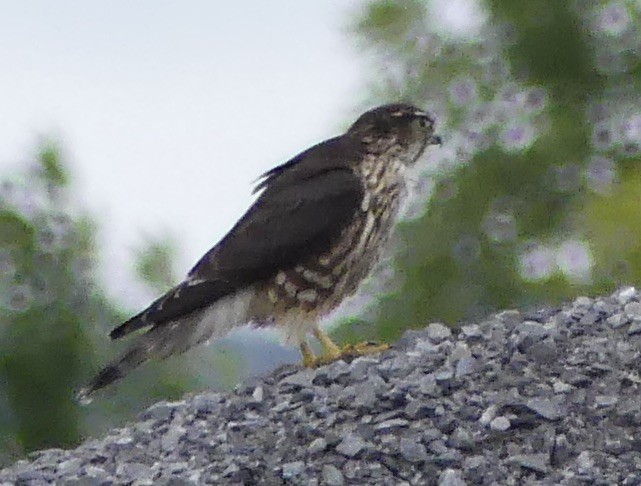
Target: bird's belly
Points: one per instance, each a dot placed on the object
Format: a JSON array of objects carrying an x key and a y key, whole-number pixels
[{"x": 297, "y": 297}]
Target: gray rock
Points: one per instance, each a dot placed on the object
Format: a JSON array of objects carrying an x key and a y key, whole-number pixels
[
  {"x": 635, "y": 327},
  {"x": 534, "y": 462},
  {"x": 582, "y": 303},
  {"x": 548, "y": 409},
  {"x": 293, "y": 469},
  {"x": 351, "y": 445},
  {"x": 471, "y": 331},
  {"x": 416, "y": 410},
  {"x": 258, "y": 394},
  {"x": 633, "y": 309},
  {"x": 589, "y": 318},
  {"x": 444, "y": 376},
  {"x": 204, "y": 404},
  {"x": 560, "y": 387},
  {"x": 317, "y": 445},
  {"x": 584, "y": 462},
  {"x": 474, "y": 463},
  {"x": 161, "y": 410},
  {"x": 451, "y": 477},
  {"x": 510, "y": 317},
  {"x": 142, "y": 472},
  {"x": 532, "y": 329},
  {"x": 543, "y": 352},
  {"x": 625, "y": 295},
  {"x": 465, "y": 366},
  {"x": 437, "y": 332},
  {"x": 231, "y": 470},
  {"x": 529, "y": 333},
  {"x": 69, "y": 467},
  {"x": 460, "y": 349},
  {"x": 169, "y": 441},
  {"x": 96, "y": 472},
  {"x": 332, "y": 476},
  {"x": 389, "y": 425},
  {"x": 412, "y": 450},
  {"x": 488, "y": 415},
  {"x": 549, "y": 396},
  {"x": 605, "y": 400},
  {"x": 461, "y": 439},
  {"x": 302, "y": 379},
  {"x": 500, "y": 424},
  {"x": 618, "y": 320}
]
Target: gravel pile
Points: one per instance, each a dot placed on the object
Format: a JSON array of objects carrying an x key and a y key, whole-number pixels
[{"x": 550, "y": 397}]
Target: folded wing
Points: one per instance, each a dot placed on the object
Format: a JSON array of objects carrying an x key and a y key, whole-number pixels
[{"x": 304, "y": 206}]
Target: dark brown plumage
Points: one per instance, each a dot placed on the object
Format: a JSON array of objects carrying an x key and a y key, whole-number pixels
[{"x": 313, "y": 234}]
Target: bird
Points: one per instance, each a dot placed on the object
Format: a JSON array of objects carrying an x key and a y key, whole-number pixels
[{"x": 315, "y": 231}]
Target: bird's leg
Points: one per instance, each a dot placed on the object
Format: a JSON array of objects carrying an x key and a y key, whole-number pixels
[
  {"x": 309, "y": 360},
  {"x": 331, "y": 352}
]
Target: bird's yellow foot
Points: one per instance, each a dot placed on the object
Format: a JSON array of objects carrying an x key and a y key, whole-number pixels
[
  {"x": 352, "y": 351},
  {"x": 331, "y": 352}
]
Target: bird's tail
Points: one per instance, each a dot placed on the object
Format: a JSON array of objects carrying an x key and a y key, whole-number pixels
[
  {"x": 161, "y": 341},
  {"x": 139, "y": 352},
  {"x": 172, "y": 338}
]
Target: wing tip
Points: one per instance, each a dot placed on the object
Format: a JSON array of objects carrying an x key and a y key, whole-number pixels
[
  {"x": 107, "y": 376},
  {"x": 119, "y": 331},
  {"x": 84, "y": 396},
  {"x": 136, "y": 322}
]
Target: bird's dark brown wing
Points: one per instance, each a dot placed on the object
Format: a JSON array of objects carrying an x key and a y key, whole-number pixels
[
  {"x": 184, "y": 298},
  {"x": 303, "y": 208}
]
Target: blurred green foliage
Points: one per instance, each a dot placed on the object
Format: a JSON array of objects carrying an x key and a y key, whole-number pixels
[
  {"x": 55, "y": 316},
  {"x": 154, "y": 264},
  {"x": 44, "y": 303},
  {"x": 534, "y": 196}
]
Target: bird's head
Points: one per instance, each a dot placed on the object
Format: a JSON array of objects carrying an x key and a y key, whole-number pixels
[{"x": 409, "y": 127}]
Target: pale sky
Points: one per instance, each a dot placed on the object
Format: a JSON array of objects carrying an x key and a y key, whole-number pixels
[{"x": 167, "y": 111}]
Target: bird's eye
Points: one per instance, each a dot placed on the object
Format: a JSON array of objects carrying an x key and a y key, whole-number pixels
[{"x": 422, "y": 122}]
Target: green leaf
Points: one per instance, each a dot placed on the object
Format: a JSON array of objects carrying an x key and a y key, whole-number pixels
[{"x": 53, "y": 170}]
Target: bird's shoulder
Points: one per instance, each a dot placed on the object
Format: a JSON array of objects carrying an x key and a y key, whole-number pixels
[
  {"x": 303, "y": 205},
  {"x": 338, "y": 153}
]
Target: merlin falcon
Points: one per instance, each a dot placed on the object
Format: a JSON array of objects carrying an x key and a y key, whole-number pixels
[{"x": 313, "y": 235}]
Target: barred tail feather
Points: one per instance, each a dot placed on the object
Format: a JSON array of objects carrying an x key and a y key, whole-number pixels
[
  {"x": 174, "y": 337},
  {"x": 137, "y": 354}
]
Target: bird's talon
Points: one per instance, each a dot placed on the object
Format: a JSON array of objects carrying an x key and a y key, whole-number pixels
[
  {"x": 347, "y": 353},
  {"x": 352, "y": 351},
  {"x": 309, "y": 362}
]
